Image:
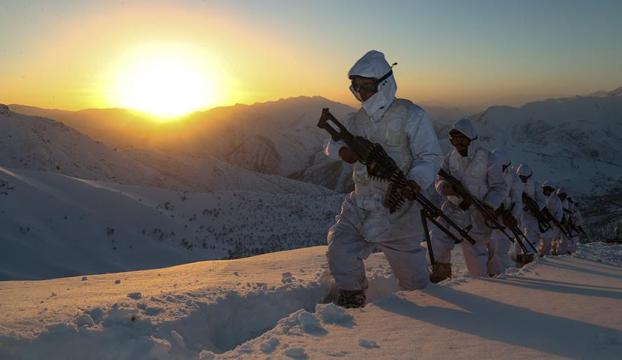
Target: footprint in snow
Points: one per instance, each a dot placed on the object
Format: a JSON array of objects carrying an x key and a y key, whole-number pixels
[
  {"x": 368, "y": 344},
  {"x": 296, "y": 353}
]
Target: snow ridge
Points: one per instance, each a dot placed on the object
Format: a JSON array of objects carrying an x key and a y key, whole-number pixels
[{"x": 270, "y": 306}]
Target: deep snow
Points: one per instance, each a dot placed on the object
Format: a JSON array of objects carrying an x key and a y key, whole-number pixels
[{"x": 268, "y": 306}]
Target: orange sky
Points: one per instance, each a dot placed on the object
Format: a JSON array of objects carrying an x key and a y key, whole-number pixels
[{"x": 72, "y": 55}]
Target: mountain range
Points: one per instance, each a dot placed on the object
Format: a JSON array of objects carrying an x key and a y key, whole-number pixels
[{"x": 263, "y": 161}]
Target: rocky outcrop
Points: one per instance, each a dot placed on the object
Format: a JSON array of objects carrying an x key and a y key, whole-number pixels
[
  {"x": 4, "y": 109},
  {"x": 256, "y": 153}
]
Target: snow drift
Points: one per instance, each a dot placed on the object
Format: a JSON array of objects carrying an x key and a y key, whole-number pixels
[{"x": 270, "y": 306}]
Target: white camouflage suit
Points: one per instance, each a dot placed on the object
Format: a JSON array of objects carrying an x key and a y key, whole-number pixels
[
  {"x": 569, "y": 214},
  {"x": 406, "y": 133},
  {"x": 481, "y": 175},
  {"x": 528, "y": 222},
  {"x": 499, "y": 244},
  {"x": 577, "y": 220},
  {"x": 554, "y": 205}
]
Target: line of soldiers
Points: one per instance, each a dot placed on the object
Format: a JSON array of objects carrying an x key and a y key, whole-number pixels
[
  {"x": 545, "y": 217},
  {"x": 395, "y": 155}
]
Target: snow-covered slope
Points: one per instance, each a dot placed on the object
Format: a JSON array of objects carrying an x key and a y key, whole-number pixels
[
  {"x": 35, "y": 143},
  {"x": 65, "y": 212},
  {"x": 574, "y": 141},
  {"x": 269, "y": 306},
  {"x": 117, "y": 128},
  {"x": 207, "y": 173},
  {"x": 54, "y": 225},
  {"x": 278, "y": 137}
]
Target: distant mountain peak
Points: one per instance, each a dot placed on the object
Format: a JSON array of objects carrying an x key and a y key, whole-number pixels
[
  {"x": 616, "y": 92},
  {"x": 297, "y": 100},
  {"x": 605, "y": 93},
  {"x": 4, "y": 109}
]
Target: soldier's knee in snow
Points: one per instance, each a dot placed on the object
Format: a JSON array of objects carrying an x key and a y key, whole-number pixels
[{"x": 416, "y": 283}]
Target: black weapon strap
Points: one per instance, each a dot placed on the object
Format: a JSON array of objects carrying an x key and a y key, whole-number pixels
[{"x": 428, "y": 241}]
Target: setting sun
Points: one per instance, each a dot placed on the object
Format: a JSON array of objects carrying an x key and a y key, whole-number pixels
[{"x": 166, "y": 82}]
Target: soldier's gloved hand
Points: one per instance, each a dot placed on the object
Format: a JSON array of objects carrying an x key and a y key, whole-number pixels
[
  {"x": 510, "y": 221},
  {"x": 465, "y": 204},
  {"x": 411, "y": 190},
  {"x": 490, "y": 209},
  {"x": 346, "y": 154},
  {"x": 447, "y": 190},
  {"x": 500, "y": 210}
]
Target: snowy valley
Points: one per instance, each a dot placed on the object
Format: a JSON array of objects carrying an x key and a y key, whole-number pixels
[
  {"x": 103, "y": 218},
  {"x": 572, "y": 141}
]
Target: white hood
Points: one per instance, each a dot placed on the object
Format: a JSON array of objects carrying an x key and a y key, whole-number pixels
[
  {"x": 502, "y": 156},
  {"x": 524, "y": 170},
  {"x": 465, "y": 127},
  {"x": 549, "y": 183},
  {"x": 374, "y": 65}
]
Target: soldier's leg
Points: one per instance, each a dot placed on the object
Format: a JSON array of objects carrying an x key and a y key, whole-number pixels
[
  {"x": 573, "y": 244},
  {"x": 441, "y": 246},
  {"x": 563, "y": 244},
  {"x": 547, "y": 241},
  {"x": 476, "y": 256},
  {"x": 346, "y": 251},
  {"x": 498, "y": 257},
  {"x": 555, "y": 247},
  {"x": 408, "y": 262},
  {"x": 532, "y": 233},
  {"x": 546, "y": 246}
]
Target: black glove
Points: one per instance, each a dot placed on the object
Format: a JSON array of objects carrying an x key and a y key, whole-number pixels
[{"x": 465, "y": 204}]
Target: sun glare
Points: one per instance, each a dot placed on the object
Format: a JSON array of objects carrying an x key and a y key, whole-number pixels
[{"x": 166, "y": 82}]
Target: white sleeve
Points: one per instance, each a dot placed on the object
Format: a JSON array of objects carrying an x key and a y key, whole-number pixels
[
  {"x": 555, "y": 207},
  {"x": 516, "y": 196},
  {"x": 440, "y": 181},
  {"x": 539, "y": 195},
  {"x": 497, "y": 188},
  {"x": 331, "y": 147},
  {"x": 424, "y": 146}
]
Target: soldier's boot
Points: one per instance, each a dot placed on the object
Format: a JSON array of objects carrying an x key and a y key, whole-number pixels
[
  {"x": 524, "y": 259},
  {"x": 351, "y": 298},
  {"x": 440, "y": 272}
]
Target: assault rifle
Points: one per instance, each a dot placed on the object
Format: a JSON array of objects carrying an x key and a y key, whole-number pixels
[
  {"x": 549, "y": 217},
  {"x": 490, "y": 218},
  {"x": 533, "y": 207},
  {"x": 571, "y": 226},
  {"x": 382, "y": 167},
  {"x": 516, "y": 231}
]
